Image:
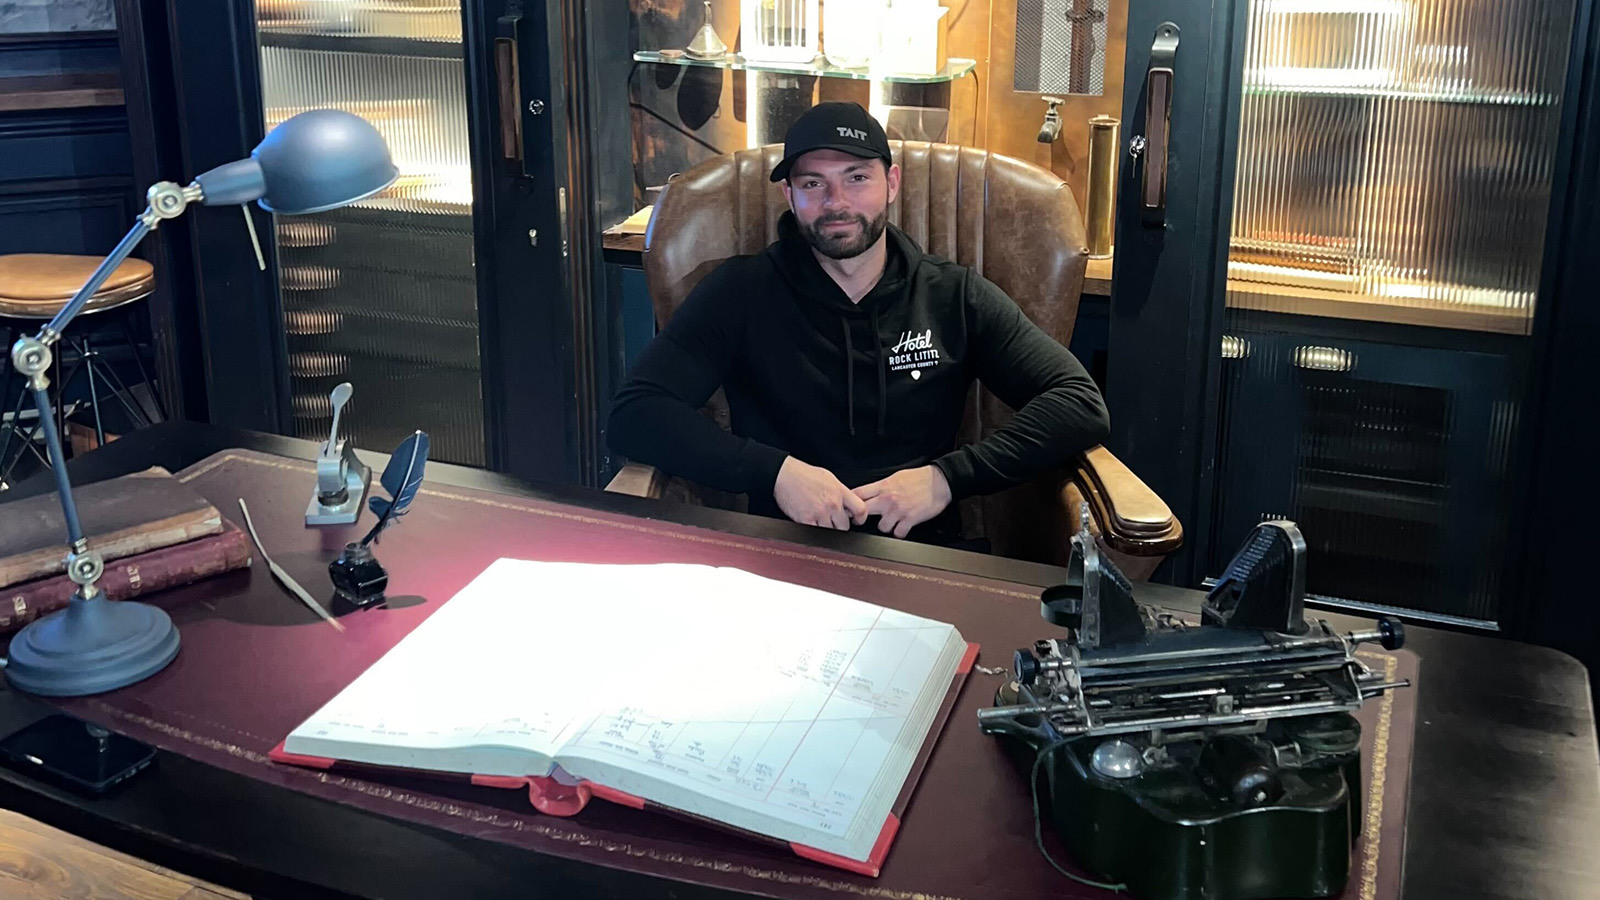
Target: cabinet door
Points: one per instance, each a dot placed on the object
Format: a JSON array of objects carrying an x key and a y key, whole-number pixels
[
  {"x": 1367, "y": 170},
  {"x": 442, "y": 299},
  {"x": 383, "y": 293},
  {"x": 1180, "y": 112},
  {"x": 1392, "y": 459},
  {"x": 526, "y": 246}
]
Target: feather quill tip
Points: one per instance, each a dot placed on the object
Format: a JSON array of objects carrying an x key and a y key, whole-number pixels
[{"x": 402, "y": 478}]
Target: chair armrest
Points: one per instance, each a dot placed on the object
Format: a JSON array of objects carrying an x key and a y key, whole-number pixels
[
  {"x": 639, "y": 480},
  {"x": 1132, "y": 518}
]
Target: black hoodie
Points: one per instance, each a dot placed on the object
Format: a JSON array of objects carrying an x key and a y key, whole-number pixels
[{"x": 860, "y": 389}]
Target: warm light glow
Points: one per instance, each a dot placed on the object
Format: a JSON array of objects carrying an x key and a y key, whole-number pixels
[
  {"x": 1396, "y": 155},
  {"x": 779, "y": 31},
  {"x": 1301, "y": 77},
  {"x": 425, "y": 125},
  {"x": 875, "y": 105},
  {"x": 1339, "y": 7},
  {"x": 752, "y": 108}
]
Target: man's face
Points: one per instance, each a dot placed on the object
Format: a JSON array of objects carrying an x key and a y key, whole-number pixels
[{"x": 841, "y": 202}]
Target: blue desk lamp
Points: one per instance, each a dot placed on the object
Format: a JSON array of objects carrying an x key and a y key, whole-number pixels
[{"x": 318, "y": 160}]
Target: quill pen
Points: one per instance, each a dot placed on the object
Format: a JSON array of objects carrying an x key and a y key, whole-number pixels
[
  {"x": 282, "y": 576},
  {"x": 402, "y": 478}
]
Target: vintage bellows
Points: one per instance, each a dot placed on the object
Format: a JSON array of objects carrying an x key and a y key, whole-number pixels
[{"x": 1217, "y": 760}]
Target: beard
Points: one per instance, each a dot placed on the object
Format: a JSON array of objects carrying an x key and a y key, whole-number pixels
[{"x": 847, "y": 244}]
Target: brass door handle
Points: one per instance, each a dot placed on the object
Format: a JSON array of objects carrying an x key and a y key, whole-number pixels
[{"x": 1155, "y": 144}]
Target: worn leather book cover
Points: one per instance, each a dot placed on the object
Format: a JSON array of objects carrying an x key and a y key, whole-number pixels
[
  {"x": 131, "y": 576},
  {"x": 121, "y": 517}
]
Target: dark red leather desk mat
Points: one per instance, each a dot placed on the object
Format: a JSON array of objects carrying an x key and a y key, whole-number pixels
[{"x": 255, "y": 662}]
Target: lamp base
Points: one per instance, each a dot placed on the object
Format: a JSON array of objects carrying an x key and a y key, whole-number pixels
[{"x": 91, "y": 646}]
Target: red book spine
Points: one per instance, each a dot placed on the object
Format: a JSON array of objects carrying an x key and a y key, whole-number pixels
[{"x": 131, "y": 576}]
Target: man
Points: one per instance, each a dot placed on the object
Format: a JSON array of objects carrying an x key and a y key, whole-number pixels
[{"x": 846, "y": 355}]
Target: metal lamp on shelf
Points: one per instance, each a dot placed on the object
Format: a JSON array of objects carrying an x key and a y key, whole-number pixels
[{"x": 316, "y": 161}]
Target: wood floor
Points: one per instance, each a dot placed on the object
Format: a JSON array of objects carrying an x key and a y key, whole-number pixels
[{"x": 38, "y": 862}]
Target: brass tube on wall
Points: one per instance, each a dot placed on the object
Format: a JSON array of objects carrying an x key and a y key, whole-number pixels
[{"x": 1099, "y": 216}]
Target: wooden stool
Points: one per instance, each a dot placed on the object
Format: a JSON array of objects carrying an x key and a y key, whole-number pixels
[{"x": 33, "y": 288}]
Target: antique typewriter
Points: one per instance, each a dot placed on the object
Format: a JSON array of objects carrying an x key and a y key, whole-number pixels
[{"x": 1216, "y": 759}]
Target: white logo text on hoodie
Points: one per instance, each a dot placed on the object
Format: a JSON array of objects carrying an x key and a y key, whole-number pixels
[{"x": 913, "y": 351}]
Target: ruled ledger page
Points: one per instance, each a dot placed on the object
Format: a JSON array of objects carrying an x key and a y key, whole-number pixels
[{"x": 778, "y": 708}]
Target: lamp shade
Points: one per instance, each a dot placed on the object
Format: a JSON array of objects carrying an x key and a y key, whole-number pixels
[
  {"x": 318, "y": 160},
  {"x": 322, "y": 159}
]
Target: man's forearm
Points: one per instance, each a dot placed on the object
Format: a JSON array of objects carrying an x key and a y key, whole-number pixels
[
  {"x": 662, "y": 431},
  {"x": 1046, "y": 433},
  {"x": 1060, "y": 412}
]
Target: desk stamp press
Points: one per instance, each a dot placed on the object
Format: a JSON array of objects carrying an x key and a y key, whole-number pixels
[
  {"x": 1217, "y": 761},
  {"x": 342, "y": 479}
]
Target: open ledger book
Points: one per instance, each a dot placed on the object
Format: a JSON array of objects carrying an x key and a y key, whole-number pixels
[{"x": 768, "y": 707}]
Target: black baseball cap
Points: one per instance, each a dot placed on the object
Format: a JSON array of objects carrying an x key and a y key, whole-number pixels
[{"x": 835, "y": 125}]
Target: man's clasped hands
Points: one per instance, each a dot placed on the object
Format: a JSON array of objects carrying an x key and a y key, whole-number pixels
[{"x": 813, "y": 496}]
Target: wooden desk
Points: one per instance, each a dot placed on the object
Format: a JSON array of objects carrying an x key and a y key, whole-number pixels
[
  {"x": 1505, "y": 799},
  {"x": 628, "y": 237},
  {"x": 1097, "y": 277}
]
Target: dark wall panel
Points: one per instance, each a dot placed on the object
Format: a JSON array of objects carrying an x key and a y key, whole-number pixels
[{"x": 66, "y": 171}]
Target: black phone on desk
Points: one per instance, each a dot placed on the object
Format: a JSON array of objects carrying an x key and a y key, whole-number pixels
[{"x": 75, "y": 754}]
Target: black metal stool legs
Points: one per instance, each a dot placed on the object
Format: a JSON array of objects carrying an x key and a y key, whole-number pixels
[
  {"x": 144, "y": 376},
  {"x": 7, "y": 426},
  {"x": 97, "y": 370},
  {"x": 94, "y": 395},
  {"x": 11, "y": 427},
  {"x": 8, "y": 462},
  {"x": 76, "y": 354}
]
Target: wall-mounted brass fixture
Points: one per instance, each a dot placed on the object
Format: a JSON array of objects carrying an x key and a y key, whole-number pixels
[{"x": 1051, "y": 129}]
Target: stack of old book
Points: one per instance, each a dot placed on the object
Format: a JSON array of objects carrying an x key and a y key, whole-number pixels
[{"x": 152, "y": 531}]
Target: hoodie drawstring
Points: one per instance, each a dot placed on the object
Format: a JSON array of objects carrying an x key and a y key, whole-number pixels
[
  {"x": 850, "y": 374},
  {"x": 883, "y": 377}
]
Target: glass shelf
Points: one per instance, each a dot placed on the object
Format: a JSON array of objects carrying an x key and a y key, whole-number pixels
[
  {"x": 954, "y": 68},
  {"x": 360, "y": 43},
  {"x": 1470, "y": 97}
]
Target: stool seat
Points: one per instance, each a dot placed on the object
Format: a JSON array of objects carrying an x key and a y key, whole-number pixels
[{"x": 38, "y": 285}]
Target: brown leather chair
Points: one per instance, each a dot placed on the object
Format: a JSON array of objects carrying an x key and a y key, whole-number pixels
[{"x": 1016, "y": 224}]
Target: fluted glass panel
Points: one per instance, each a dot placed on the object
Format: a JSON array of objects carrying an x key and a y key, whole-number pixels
[
  {"x": 383, "y": 293},
  {"x": 1393, "y": 460},
  {"x": 418, "y": 104},
  {"x": 1395, "y": 159},
  {"x": 1395, "y": 167},
  {"x": 395, "y": 18}
]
